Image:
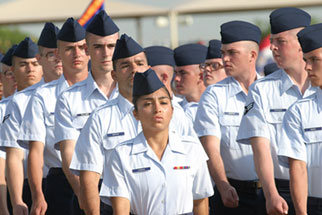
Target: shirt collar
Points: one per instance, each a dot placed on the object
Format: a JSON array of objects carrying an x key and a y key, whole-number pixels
[
  {"x": 175, "y": 144},
  {"x": 234, "y": 87},
  {"x": 124, "y": 105},
  {"x": 62, "y": 84},
  {"x": 319, "y": 99},
  {"x": 287, "y": 82},
  {"x": 91, "y": 85}
]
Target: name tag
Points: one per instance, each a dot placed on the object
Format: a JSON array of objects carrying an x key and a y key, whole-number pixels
[
  {"x": 181, "y": 167},
  {"x": 277, "y": 110},
  {"x": 144, "y": 169},
  {"x": 231, "y": 113},
  {"x": 52, "y": 113},
  {"x": 115, "y": 134},
  {"x": 83, "y": 114},
  {"x": 313, "y": 129}
]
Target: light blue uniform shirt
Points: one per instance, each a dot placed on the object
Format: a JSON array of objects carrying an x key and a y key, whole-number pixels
[
  {"x": 152, "y": 186},
  {"x": 109, "y": 125},
  {"x": 74, "y": 106},
  {"x": 301, "y": 139},
  {"x": 39, "y": 119},
  {"x": 3, "y": 104},
  {"x": 93, "y": 143},
  {"x": 219, "y": 114},
  {"x": 12, "y": 121},
  {"x": 267, "y": 101}
]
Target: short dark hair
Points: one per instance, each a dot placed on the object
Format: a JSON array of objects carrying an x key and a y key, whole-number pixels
[{"x": 136, "y": 98}]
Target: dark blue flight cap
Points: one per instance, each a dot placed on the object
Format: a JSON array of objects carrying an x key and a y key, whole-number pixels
[
  {"x": 190, "y": 54},
  {"x": 214, "y": 49},
  {"x": 146, "y": 83},
  {"x": 71, "y": 31},
  {"x": 160, "y": 55},
  {"x": 284, "y": 19},
  {"x": 48, "y": 36},
  {"x": 1, "y": 56},
  {"x": 235, "y": 31},
  {"x": 270, "y": 68},
  {"x": 7, "y": 59},
  {"x": 310, "y": 37},
  {"x": 26, "y": 49},
  {"x": 102, "y": 25},
  {"x": 126, "y": 47}
]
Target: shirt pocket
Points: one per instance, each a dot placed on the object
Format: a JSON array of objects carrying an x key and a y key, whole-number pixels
[
  {"x": 111, "y": 140},
  {"x": 313, "y": 141},
  {"x": 275, "y": 115},
  {"x": 230, "y": 122},
  {"x": 80, "y": 120}
]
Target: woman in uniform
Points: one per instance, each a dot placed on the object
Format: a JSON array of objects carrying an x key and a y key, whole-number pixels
[{"x": 158, "y": 172}]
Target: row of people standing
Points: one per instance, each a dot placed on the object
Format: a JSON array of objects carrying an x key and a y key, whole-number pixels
[{"x": 87, "y": 120}]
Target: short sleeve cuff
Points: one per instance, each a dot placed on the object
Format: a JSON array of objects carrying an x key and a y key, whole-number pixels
[
  {"x": 284, "y": 154},
  {"x": 244, "y": 137},
  {"x": 76, "y": 168},
  {"x": 108, "y": 192},
  {"x": 209, "y": 132}
]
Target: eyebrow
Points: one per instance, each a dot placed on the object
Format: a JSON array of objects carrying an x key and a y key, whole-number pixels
[{"x": 159, "y": 98}]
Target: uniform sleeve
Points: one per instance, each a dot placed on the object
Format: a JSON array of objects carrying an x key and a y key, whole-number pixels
[
  {"x": 253, "y": 123},
  {"x": 114, "y": 181},
  {"x": 291, "y": 144},
  {"x": 64, "y": 129},
  {"x": 206, "y": 121},
  {"x": 10, "y": 126},
  {"x": 89, "y": 154},
  {"x": 33, "y": 125},
  {"x": 202, "y": 186}
]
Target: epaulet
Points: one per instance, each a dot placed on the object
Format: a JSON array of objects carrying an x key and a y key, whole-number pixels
[
  {"x": 223, "y": 83},
  {"x": 277, "y": 75},
  {"x": 76, "y": 85},
  {"x": 109, "y": 103}
]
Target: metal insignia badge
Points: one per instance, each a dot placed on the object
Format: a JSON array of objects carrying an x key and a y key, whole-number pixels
[
  {"x": 248, "y": 107},
  {"x": 5, "y": 118}
]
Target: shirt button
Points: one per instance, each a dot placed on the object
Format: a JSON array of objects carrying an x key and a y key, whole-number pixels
[{"x": 162, "y": 201}]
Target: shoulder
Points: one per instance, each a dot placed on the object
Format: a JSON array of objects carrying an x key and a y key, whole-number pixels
[
  {"x": 273, "y": 77},
  {"x": 70, "y": 91}
]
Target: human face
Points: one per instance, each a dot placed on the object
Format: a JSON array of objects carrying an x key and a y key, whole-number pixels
[
  {"x": 154, "y": 111},
  {"x": 187, "y": 79},
  {"x": 73, "y": 55},
  {"x": 313, "y": 66},
  {"x": 236, "y": 58},
  {"x": 286, "y": 48},
  {"x": 51, "y": 63},
  {"x": 27, "y": 71},
  {"x": 101, "y": 51},
  {"x": 8, "y": 81},
  {"x": 213, "y": 71},
  {"x": 125, "y": 70}
]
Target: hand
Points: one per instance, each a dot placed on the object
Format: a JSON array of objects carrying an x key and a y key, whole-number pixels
[
  {"x": 230, "y": 197},
  {"x": 276, "y": 205},
  {"x": 39, "y": 207},
  {"x": 20, "y": 209}
]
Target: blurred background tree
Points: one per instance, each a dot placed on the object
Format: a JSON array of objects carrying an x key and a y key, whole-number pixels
[{"x": 10, "y": 36}]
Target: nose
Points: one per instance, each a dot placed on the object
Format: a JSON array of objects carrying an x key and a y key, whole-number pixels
[
  {"x": 308, "y": 67},
  {"x": 272, "y": 46},
  {"x": 157, "y": 107},
  {"x": 30, "y": 67}
]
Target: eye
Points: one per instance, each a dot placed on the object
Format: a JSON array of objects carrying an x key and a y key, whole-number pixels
[{"x": 145, "y": 104}]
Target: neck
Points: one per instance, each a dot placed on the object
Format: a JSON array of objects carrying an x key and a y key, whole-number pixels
[
  {"x": 104, "y": 82},
  {"x": 125, "y": 94},
  {"x": 246, "y": 81},
  {"x": 195, "y": 97},
  {"x": 299, "y": 77},
  {"x": 157, "y": 141},
  {"x": 72, "y": 77}
]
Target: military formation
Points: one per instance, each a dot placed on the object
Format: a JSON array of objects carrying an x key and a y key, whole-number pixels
[{"x": 93, "y": 123}]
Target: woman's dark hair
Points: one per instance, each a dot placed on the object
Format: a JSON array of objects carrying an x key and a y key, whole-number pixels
[{"x": 136, "y": 98}]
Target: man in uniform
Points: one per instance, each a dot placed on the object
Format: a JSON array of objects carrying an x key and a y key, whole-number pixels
[
  {"x": 9, "y": 84},
  {"x": 301, "y": 139},
  {"x": 28, "y": 73},
  {"x": 189, "y": 78},
  {"x": 113, "y": 122},
  {"x": 267, "y": 102},
  {"x": 213, "y": 69},
  {"x": 38, "y": 125},
  {"x": 76, "y": 103},
  {"x": 231, "y": 165}
]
